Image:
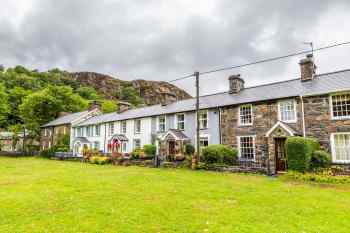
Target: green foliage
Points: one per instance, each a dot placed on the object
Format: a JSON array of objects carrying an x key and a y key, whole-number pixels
[
  {"x": 88, "y": 93},
  {"x": 109, "y": 106},
  {"x": 219, "y": 154},
  {"x": 299, "y": 151},
  {"x": 43, "y": 106},
  {"x": 16, "y": 97},
  {"x": 150, "y": 150},
  {"x": 101, "y": 160},
  {"x": 63, "y": 143},
  {"x": 320, "y": 159},
  {"x": 189, "y": 149},
  {"x": 4, "y": 105},
  {"x": 48, "y": 153},
  {"x": 137, "y": 154},
  {"x": 131, "y": 95},
  {"x": 325, "y": 176}
]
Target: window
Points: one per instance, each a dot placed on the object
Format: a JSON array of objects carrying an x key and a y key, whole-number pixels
[
  {"x": 123, "y": 127},
  {"x": 97, "y": 145},
  {"x": 137, "y": 125},
  {"x": 203, "y": 119},
  {"x": 111, "y": 128},
  {"x": 246, "y": 115},
  {"x": 137, "y": 144},
  {"x": 341, "y": 147},
  {"x": 97, "y": 130},
  {"x": 45, "y": 132},
  {"x": 161, "y": 123},
  {"x": 180, "y": 119},
  {"x": 203, "y": 141},
  {"x": 246, "y": 147},
  {"x": 89, "y": 130},
  {"x": 79, "y": 132},
  {"x": 340, "y": 106},
  {"x": 287, "y": 111},
  {"x": 124, "y": 147}
]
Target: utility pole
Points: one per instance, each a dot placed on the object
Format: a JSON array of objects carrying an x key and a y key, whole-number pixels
[{"x": 196, "y": 156}]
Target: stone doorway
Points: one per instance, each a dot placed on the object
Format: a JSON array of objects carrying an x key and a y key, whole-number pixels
[
  {"x": 280, "y": 154},
  {"x": 276, "y": 138}
]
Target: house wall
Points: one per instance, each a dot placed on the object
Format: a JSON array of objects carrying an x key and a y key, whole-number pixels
[
  {"x": 318, "y": 123},
  {"x": 53, "y": 135}
]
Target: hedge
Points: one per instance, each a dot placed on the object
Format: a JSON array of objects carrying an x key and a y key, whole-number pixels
[
  {"x": 299, "y": 152},
  {"x": 320, "y": 159},
  {"x": 219, "y": 154}
]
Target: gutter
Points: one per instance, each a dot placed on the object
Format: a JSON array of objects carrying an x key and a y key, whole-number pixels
[{"x": 303, "y": 115}]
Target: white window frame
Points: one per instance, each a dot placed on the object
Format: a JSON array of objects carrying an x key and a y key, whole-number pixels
[
  {"x": 177, "y": 121},
  {"x": 136, "y": 130},
  {"x": 202, "y": 119},
  {"x": 158, "y": 123},
  {"x": 98, "y": 145},
  {"x": 134, "y": 144},
  {"x": 239, "y": 147},
  {"x": 251, "y": 114},
  {"x": 97, "y": 130},
  {"x": 334, "y": 157},
  {"x": 123, "y": 127},
  {"x": 294, "y": 109},
  {"x": 124, "y": 147},
  {"x": 203, "y": 138},
  {"x": 110, "y": 129},
  {"x": 331, "y": 107}
]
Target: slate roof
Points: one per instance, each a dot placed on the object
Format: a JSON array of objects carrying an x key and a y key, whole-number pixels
[
  {"x": 66, "y": 119},
  {"x": 321, "y": 84}
]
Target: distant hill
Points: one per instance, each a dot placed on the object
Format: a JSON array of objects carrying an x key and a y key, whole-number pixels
[{"x": 109, "y": 87}]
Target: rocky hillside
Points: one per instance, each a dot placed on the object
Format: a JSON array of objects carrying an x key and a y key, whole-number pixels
[{"x": 152, "y": 92}]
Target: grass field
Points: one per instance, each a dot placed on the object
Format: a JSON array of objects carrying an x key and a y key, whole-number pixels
[{"x": 38, "y": 195}]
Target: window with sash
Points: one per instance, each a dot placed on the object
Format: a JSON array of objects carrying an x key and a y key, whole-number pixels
[
  {"x": 203, "y": 141},
  {"x": 97, "y": 145},
  {"x": 340, "y": 106},
  {"x": 203, "y": 119},
  {"x": 161, "y": 123},
  {"x": 123, "y": 127},
  {"x": 246, "y": 147},
  {"x": 246, "y": 115},
  {"x": 97, "y": 130},
  {"x": 137, "y": 144},
  {"x": 341, "y": 147},
  {"x": 287, "y": 111},
  {"x": 111, "y": 128},
  {"x": 180, "y": 120},
  {"x": 137, "y": 125}
]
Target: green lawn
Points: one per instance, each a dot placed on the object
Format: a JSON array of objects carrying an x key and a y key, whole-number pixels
[{"x": 38, "y": 195}]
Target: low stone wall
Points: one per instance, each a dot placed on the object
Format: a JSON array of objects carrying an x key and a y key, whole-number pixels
[
  {"x": 135, "y": 162},
  {"x": 237, "y": 169}
]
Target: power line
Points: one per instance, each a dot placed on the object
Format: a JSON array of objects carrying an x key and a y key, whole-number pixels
[{"x": 262, "y": 61}]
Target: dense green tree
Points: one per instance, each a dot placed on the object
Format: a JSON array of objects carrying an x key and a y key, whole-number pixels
[
  {"x": 43, "y": 106},
  {"x": 88, "y": 93},
  {"x": 4, "y": 107},
  {"x": 109, "y": 106},
  {"x": 131, "y": 95},
  {"x": 16, "y": 96}
]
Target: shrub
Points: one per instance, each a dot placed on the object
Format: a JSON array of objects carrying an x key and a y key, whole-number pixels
[
  {"x": 219, "y": 154},
  {"x": 150, "y": 150},
  {"x": 189, "y": 149},
  {"x": 48, "y": 153},
  {"x": 323, "y": 177},
  {"x": 101, "y": 160},
  {"x": 320, "y": 159},
  {"x": 299, "y": 151},
  {"x": 137, "y": 154}
]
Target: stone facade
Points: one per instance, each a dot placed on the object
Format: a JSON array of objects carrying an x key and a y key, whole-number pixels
[
  {"x": 50, "y": 135},
  {"x": 318, "y": 124}
]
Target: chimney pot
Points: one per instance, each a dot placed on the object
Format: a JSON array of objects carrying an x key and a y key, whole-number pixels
[{"x": 236, "y": 84}]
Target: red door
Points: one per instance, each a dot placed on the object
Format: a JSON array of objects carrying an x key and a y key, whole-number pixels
[{"x": 280, "y": 153}]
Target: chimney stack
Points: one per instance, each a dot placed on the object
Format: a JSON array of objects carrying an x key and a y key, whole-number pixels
[
  {"x": 93, "y": 105},
  {"x": 123, "y": 106},
  {"x": 307, "y": 68},
  {"x": 236, "y": 84}
]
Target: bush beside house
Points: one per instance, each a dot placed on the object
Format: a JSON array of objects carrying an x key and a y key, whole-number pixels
[{"x": 219, "y": 154}]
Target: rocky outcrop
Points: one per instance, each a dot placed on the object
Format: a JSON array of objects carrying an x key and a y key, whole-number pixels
[{"x": 152, "y": 92}]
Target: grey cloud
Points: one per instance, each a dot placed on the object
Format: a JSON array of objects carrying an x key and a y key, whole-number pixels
[{"x": 161, "y": 40}]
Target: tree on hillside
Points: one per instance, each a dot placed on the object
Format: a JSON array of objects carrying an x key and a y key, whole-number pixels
[
  {"x": 43, "y": 106},
  {"x": 109, "y": 106},
  {"x": 130, "y": 94},
  {"x": 16, "y": 96},
  {"x": 4, "y": 107},
  {"x": 88, "y": 93}
]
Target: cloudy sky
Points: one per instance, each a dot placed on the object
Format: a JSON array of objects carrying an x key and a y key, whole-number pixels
[{"x": 162, "y": 40}]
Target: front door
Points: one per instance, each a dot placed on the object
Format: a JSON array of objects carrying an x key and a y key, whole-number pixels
[
  {"x": 171, "y": 147},
  {"x": 280, "y": 153}
]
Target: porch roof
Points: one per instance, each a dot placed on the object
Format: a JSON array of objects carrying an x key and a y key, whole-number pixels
[
  {"x": 120, "y": 137},
  {"x": 176, "y": 134},
  {"x": 81, "y": 139}
]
